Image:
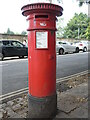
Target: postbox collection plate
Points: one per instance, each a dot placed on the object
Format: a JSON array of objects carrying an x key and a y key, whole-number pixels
[{"x": 41, "y": 40}]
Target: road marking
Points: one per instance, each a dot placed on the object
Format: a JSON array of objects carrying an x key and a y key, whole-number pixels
[
  {"x": 77, "y": 74},
  {"x": 25, "y": 90},
  {"x": 13, "y": 95},
  {"x": 8, "y": 94}
]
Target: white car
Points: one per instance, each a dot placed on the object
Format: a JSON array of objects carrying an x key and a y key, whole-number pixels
[
  {"x": 83, "y": 45},
  {"x": 63, "y": 47}
]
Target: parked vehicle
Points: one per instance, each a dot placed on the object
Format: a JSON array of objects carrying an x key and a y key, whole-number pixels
[
  {"x": 83, "y": 45},
  {"x": 59, "y": 48},
  {"x": 65, "y": 47},
  {"x": 11, "y": 48}
]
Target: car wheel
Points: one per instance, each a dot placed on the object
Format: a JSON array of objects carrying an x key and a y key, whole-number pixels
[
  {"x": 77, "y": 50},
  {"x": 1, "y": 56},
  {"x": 84, "y": 49},
  {"x": 61, "y": 51},
  {"x": 21, "y": 56}
]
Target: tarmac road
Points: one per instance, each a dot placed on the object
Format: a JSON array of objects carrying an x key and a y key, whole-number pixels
[
  {"x": 15, "y": 72},
  {"x": 72, "y": 63}
]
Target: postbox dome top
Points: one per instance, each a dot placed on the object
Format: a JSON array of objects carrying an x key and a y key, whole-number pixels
[{"x": 42, "y": 8}]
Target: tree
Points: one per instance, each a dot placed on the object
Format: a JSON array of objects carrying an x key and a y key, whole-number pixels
[
  {"x": 87, "y": 34},
  {"x": 60, "y": 28},
  {"x": 23, "y": 33},
  {"x": 81, "y": 2},
  {"x": 9, "y": 31},
  {"x": 76, "y": 28}
]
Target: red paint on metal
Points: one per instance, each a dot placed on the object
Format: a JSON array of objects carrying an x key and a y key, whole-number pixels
[{"x": 42, "y": 61}]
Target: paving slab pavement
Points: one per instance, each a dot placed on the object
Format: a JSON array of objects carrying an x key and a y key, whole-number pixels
[{"x": 72, "y": 102}]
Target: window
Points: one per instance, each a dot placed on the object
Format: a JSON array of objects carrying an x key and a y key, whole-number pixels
[
  {"x": 60, "y": 43},
  {"x": 16, "y": 44},
  {"x": 6, "y": 43}
]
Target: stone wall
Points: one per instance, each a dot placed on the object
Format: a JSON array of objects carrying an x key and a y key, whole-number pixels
[
  {"x": 68, "y": 39},
  {"x": 13, "y": 37},
  {"x": 23, "y": 37}
]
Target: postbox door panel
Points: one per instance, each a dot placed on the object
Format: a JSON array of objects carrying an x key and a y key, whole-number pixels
[{"x": 42, "y": 65}]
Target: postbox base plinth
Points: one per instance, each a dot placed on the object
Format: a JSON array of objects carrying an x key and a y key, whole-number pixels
[{"x": 45, "y": 107}]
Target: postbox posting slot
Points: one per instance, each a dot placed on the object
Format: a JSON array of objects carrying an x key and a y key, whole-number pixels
[
  {"x": 41, "y": 16},
  {"x": 41, "y": 40}
]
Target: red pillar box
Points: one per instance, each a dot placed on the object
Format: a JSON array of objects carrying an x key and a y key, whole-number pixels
[{"x": 42, "y": 98}]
